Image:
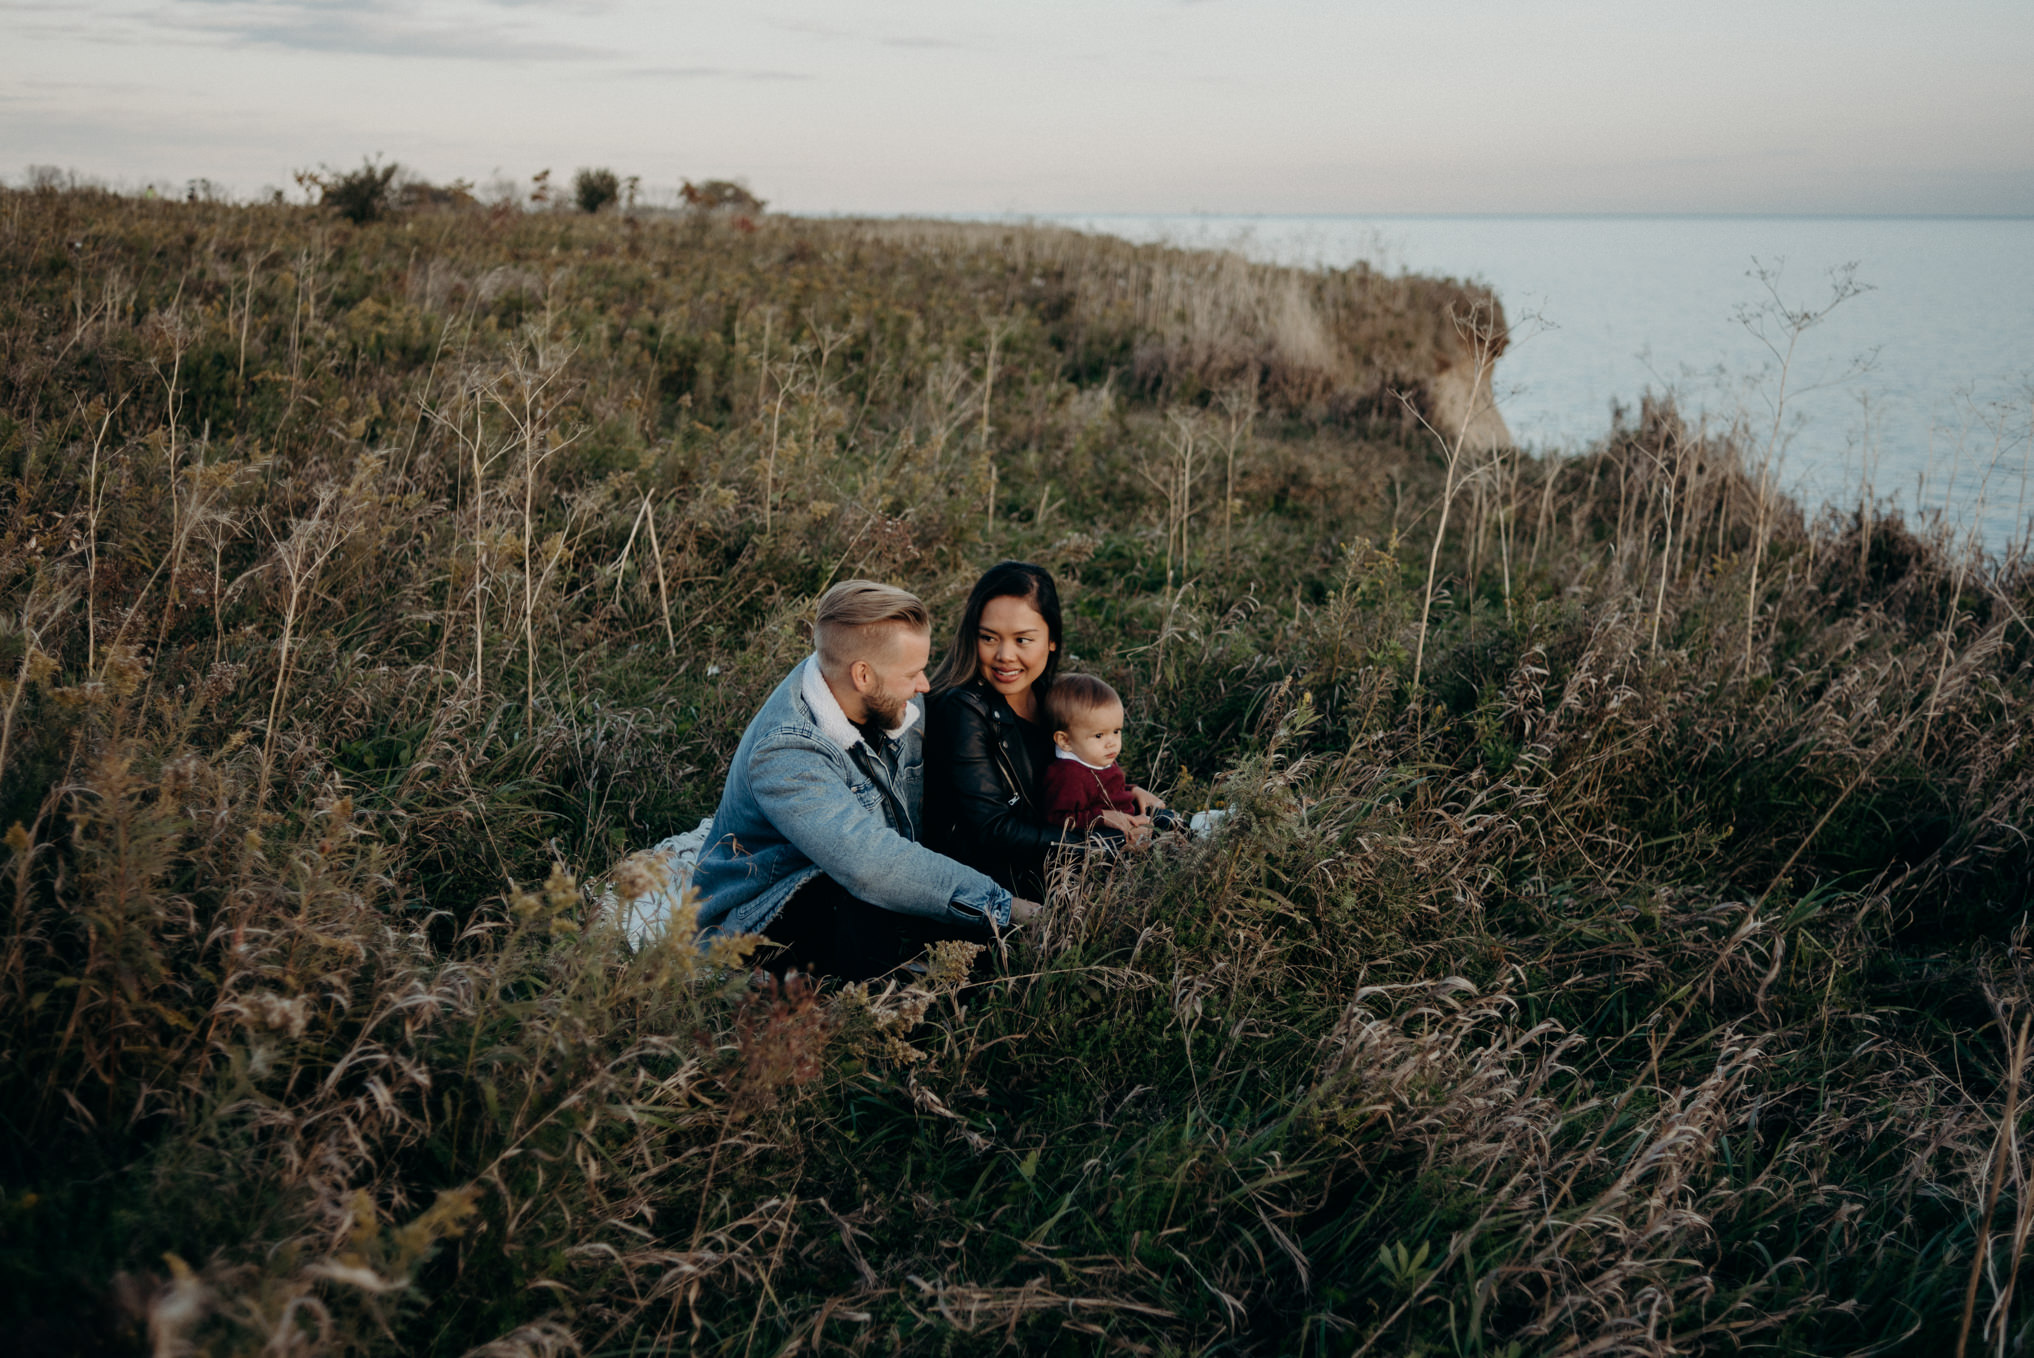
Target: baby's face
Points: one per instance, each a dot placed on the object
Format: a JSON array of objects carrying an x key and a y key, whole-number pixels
[{"x": 1095, "y": 737}]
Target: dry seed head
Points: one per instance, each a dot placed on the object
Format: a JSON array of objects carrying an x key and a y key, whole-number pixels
[
  {"x": 948, "y": 963},
  {"x": 177, "y": 1309},
  {"x": 727, "y": 951},
  {"x": 445, "y": 1219},
  {"x": 361, "y": 1220},
  {"x": 354, "y": 1272},
  {"x": 278, "y": 1013},
  {"x": 260, "y": 1060},
  {"x": 873, "y": 1025},
  {"x": 561, "y": 888},
  {"x": 640, "y": 875},
  {"x": 540, "y": 1339},
  {"x": 124, "y": 670},
  {"x": 78, "y": 697}
]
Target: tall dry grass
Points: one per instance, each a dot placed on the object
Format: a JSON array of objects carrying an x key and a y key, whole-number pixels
[{"x": 1561, "y": 984}]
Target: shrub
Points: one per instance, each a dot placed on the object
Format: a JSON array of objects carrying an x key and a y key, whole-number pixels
[
  {"x": 362, "y": 195},
  {"x": 595, "y": 189},
  {"x": 421, "y": 193},
  {"x": 716, "y": 195}
]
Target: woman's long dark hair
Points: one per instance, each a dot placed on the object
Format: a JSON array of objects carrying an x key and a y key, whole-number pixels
[{"x": 1004, "y": 580}]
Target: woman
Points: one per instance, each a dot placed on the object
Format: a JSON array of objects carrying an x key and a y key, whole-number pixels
[{"x": 985, "y": 749}]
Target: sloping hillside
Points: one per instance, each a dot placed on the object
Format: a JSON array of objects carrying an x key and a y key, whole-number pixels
[{"x": 1615, "y": 948}]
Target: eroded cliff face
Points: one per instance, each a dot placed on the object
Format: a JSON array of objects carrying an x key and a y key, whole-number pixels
[{"x": 1460, "y": 400}]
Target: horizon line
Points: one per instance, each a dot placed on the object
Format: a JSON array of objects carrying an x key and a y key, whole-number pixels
[{"x": 1551, "y": 215}]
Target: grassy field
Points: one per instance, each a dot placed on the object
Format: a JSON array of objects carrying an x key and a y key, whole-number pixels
[{"x": 1618, "y": 945}]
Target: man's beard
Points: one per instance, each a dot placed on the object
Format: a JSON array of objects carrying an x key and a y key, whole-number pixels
[{"x": 884, "y": 709}]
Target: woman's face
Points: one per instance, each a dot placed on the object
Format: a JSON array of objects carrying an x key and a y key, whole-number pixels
[{"x": 1013, "y": 645}]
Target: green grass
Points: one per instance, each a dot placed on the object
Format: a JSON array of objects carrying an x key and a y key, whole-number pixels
[{"x": 1603, "y": 993}]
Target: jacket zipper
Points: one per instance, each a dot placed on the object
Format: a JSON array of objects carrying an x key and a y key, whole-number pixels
[
  {"x": 1007, "y": 768},
  {"x": 871, "y": 766}
]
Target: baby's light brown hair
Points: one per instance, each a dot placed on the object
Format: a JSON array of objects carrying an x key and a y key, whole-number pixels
[{"x": 1073, "y": 696}]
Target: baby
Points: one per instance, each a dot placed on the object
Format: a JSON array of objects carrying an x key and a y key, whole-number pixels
[{"x": 1086, "y": 782}]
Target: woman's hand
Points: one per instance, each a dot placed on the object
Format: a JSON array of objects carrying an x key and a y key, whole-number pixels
[
  {"x": 1147, "y": 802},
  {"x": 1136, "y": 830},
  {"x": 1023, "y": 911}
]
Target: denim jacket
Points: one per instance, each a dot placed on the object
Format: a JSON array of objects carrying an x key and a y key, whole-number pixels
[{"x": 806, "y": 795}]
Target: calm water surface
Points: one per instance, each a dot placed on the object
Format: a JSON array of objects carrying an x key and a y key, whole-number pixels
[{"x": 1922, "y": 386}]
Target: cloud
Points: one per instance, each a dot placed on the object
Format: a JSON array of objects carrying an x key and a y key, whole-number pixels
[
  {"x": 24, "y": 20},
  {"x": 379, "y": 28},
  {"x": 832, "y": 34},
  {"x": 702, "y": 73},
  {"x": 371, "y": 29}
]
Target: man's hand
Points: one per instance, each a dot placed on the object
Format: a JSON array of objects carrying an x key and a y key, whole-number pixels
[
  {"x": 1023, "y": 911},
  {"x": 1136, "y": 830},
  {"x": 1147, "y": 802}
]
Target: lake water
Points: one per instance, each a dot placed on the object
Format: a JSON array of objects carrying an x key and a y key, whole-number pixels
[{"x": 1922, "y": 386}]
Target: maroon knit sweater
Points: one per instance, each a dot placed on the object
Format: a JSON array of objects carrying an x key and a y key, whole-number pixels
[{"x": 1078, "y": 795}]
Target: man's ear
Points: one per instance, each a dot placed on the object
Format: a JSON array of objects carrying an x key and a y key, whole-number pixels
[{"x": 862, "y": 675}]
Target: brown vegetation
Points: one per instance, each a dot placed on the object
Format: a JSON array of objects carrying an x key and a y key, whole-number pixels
[{"x": 365, "y": 591}]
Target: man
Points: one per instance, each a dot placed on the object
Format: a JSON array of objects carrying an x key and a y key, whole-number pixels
[{"x": 815, "y": 842}]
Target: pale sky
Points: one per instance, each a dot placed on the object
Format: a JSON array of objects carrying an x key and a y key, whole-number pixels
[{"x": 1277, "y": 106}]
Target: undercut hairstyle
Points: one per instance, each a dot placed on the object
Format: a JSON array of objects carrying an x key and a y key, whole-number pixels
[
  {"x": 1075, "y": 696},
  {"x": 1004, "y": 580},
  {"x": 856, "y": 616}
]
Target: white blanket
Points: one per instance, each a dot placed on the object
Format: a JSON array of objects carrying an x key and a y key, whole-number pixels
[{"x": 644, "y": 919}]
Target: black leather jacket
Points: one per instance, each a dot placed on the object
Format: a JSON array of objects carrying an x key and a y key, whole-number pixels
[{"x": 981, "y": 791}]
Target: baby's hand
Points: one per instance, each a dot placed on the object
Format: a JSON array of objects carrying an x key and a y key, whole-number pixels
[
  {"x": 1136, "y": 830},
  {"x": 1146, "y": 802}
]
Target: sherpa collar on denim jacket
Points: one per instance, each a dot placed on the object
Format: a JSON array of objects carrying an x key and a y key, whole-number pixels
[{"x": 827, "y": 715}]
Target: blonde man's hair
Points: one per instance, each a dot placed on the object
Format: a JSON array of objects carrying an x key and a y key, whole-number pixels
[
  {"x": 856, "y": 615},
  {"x": 1073, "y": 696}
]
